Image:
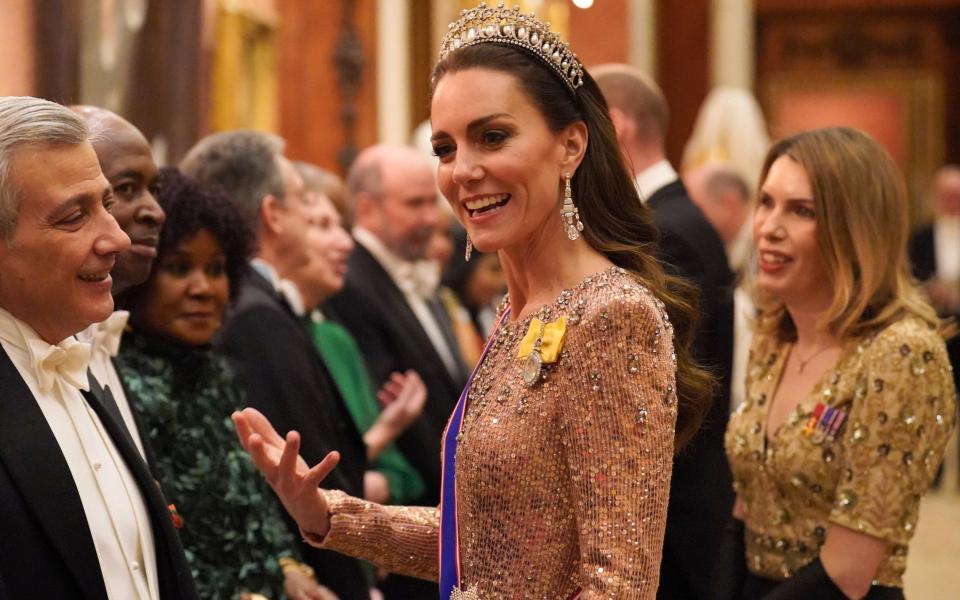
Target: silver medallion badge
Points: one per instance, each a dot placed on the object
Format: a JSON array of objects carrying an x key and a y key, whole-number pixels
[{"x": 531, "y": 368}]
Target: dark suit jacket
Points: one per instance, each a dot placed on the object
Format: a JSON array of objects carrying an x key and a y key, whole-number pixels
[
  {"x": 46, "y": 550},
  {"x": 923, "y": 254},
  {"x": 701, "y": 494},
  {"x": 284, "y": 378},
  {"x": 376, "y": 313}
]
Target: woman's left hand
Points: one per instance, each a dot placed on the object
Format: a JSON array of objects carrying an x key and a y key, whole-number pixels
[{"x": 298, "y": 586}]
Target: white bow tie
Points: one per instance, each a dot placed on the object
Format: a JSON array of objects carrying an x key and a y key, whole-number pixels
[
  {"x": 420, "y": 278},
  {"x": 66, "y": 361},
  {"x": 105, "y": 336}
]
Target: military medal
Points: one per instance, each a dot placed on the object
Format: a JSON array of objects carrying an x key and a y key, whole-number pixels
[
  {"x": 531, "y": 368},
  {"x": 824, "y": 423}
]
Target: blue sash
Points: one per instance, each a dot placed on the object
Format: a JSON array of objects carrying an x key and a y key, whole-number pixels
[{"x": 449, "y": 532}]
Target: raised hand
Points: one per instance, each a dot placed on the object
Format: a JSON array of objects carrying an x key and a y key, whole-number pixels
[
  {"x": 295, "y": 482},
  {"x": 403, "y": 397}
]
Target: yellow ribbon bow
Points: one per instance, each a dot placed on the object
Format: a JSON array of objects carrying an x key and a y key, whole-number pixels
[{"x": 551, "y": 334}]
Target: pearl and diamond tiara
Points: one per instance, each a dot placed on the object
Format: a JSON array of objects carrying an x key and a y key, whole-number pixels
[{"x": 502, "y": 25}]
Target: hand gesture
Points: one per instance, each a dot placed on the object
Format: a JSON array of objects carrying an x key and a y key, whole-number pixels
[
  {"x": 403, "y": 397},
  {"x": 287, "y": 473},
  {"x": 297, "y": 586}
]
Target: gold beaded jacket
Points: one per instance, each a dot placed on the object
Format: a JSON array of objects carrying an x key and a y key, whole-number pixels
[
  {"x": 562, "y": 486},
  {"x": 896, "y": 390}
]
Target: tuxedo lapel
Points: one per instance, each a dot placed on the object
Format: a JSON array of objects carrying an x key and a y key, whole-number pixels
[
  {"x": 138, "y": 423},
  {"x": 172, "y": 571},
  {"x": 402, "y": 317},
  {"x": 109, "y": 405},
  {"x": 33, "y": 457},
  {"x": 663, "y": 194}
]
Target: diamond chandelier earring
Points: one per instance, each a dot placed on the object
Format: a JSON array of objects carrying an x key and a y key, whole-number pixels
[
  {"x": 570, "y": 213},
  {"x": 469, "y": 250}
]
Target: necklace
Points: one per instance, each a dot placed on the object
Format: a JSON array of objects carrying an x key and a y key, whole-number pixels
[{"x": 804, "y": 361}]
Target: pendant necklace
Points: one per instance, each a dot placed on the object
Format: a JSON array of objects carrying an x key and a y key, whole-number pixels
[{"x": 804, "y": 362}]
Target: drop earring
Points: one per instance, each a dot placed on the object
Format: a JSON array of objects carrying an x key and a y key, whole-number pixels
[
  {"x": 469, "y": 250},
  {"x": 569, "y": 212}
]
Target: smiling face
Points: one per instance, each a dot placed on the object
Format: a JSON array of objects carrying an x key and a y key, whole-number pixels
[
  {"x": 187, "y": 294},
  {"x": 785, "y": 231},
  {"x": 501, "y": 167},
  {"x": 328, "y": 245},
  {"x": 128, "y": 165},
  {"x": 55, "y": 269}
]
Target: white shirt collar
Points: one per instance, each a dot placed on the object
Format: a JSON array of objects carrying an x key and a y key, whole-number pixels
[
  {"x": 291, "y": 293},
  {"x": 267, "y": 271},
  {"x": 387, "y": 259},
  {"x": 655, "y": 177},
  {"x": 65, "y": 362},
  {"x": 105, "y": 336},
  {"x": 421, "y": 277}
]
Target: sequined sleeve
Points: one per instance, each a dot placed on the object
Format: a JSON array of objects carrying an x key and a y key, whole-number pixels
[
  {"x": 399, "y": 539},
  {"x": 619, "y": 422},
  {"x": 897, "y": 431}
]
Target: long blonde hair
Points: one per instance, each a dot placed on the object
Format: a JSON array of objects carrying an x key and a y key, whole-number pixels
[{"x": 860, "y": 202}]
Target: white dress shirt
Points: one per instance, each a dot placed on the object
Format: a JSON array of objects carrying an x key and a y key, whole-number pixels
[
  {"x": 418, "y": 281},
  {"x": 112, "y": 504},
  {"x": 294, "y": 298},
  {"x": 287, "y": 289},
  {"x": 104, "y": 340},
  {"x": 946, "y": 246},
  {"x": 653, "y": 178}
]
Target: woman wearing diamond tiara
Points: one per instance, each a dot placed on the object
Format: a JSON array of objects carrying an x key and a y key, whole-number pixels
[{"x": 557, "y": 458}]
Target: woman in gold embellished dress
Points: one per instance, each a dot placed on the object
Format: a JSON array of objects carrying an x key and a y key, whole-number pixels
[
  {"x": 850, "y": 399},
  {"x": 557, "y": 459}
]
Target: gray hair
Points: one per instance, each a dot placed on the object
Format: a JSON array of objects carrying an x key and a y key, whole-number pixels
[
  {"x": 24, "y": 122},
  {"x": 723, "y": 179},
  {"x": 244, "y": 163}
]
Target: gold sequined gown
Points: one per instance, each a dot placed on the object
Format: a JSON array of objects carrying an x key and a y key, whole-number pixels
[
  {"x": 562, "y": 486},
  {"x": 897, "y": 391}
]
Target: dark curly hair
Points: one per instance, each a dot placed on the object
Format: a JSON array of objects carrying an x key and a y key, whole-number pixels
[{"x": 191, "y": 207}]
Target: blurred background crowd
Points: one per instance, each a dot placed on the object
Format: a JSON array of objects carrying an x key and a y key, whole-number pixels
[{"x": 341, "y": 87}]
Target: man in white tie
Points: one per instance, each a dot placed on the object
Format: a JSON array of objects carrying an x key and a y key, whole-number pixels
[
  {"x": 390, "y": 305},
  {"x": 81, "y": 516},
  {"x": 127, "y": 163}
]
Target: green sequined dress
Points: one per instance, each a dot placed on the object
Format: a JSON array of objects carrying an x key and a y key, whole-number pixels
[{"x": 233, "y": 532}]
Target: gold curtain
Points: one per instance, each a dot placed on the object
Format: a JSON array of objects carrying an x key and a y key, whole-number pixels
[{"x": 244, "y": 75}]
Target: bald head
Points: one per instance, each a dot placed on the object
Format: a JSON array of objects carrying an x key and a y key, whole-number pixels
[
  {"x": 723, "y": 197},
  {"x": 395, "y": 197},
  {"x": 946, "y": 191},
  {"x": 127, "y": 163},
  {"x": 366, "y": 175}
]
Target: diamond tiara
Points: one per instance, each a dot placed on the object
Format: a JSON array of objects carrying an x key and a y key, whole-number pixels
[{"x": 507, "y": 26}]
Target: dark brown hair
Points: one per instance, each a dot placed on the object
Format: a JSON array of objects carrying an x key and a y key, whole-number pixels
[{"x": 616, "y": 223}]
